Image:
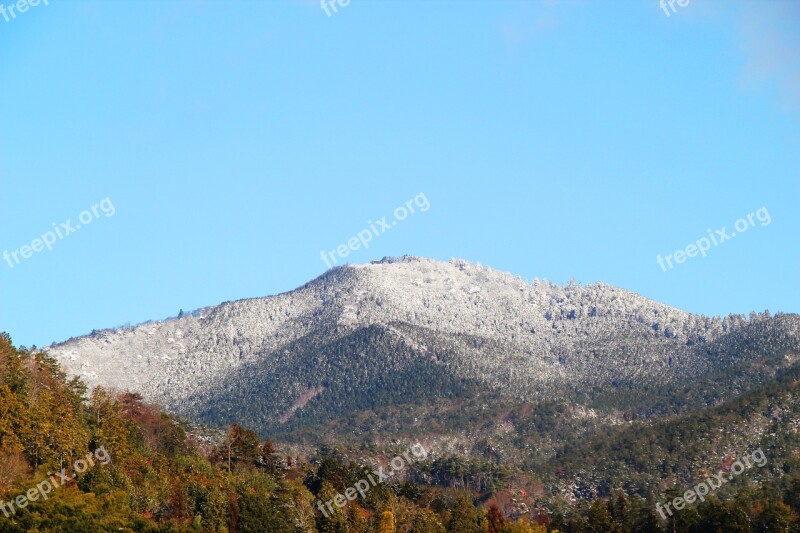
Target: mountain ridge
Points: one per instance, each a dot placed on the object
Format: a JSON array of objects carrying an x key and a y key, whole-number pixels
[{"x": 468, "y": 326}]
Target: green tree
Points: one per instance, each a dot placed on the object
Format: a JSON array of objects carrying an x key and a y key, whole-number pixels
[
  {"x": 330, "y": 519},
  {"x": 776, "y": 517},
  {"x": 464, "y": 517},
  {"x": 599, "y": 519},
  {"x": 426, "y": 521},
  {"x": 721, "y": 517}
]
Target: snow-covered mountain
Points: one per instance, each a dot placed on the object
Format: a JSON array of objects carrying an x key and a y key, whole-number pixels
[{"x": 361, "y": 336}]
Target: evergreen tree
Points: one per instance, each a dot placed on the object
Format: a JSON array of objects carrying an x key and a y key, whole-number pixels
[{"x": 464, "y": 517}]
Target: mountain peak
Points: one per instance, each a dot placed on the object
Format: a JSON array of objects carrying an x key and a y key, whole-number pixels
[{"x": 460, "y": 321}]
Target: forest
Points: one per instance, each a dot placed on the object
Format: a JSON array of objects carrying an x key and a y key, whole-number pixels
[{"x": 163, "y": 474}]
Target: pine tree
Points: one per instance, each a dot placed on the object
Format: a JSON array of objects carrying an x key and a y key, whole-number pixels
[
  {"x": 464, "y": 517},
  {"x": 332, "y": 520}
]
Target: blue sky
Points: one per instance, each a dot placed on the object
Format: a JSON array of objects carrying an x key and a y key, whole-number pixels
[{"x": 236, "y": 140}]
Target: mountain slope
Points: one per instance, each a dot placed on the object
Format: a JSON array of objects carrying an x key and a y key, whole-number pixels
[{"x": 399, "y": 330}]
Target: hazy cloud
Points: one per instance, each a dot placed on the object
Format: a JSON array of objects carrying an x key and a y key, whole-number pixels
[{"x": 771, "y": 47}]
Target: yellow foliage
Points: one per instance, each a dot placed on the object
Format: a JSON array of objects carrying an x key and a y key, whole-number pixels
[{"x": 386, "y": 524}]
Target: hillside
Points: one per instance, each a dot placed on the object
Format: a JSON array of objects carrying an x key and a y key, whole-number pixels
[
  {"x": 158, "y": 474},
  {"x": 371, "y": 336}
]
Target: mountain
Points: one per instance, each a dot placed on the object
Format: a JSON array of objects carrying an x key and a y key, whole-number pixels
[
  {"x": 365, "y": 340},
  {"x": 673, "y": 451}
]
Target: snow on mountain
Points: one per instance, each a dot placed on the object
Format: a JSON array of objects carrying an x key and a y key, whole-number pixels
[{"x": 479, "y": 323}]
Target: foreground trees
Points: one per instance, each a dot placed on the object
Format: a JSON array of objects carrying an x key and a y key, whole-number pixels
[{"x": 162, "y": 476}]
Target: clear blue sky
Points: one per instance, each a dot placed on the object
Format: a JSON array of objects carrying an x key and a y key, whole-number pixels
[{"x": 236, "y": 140}]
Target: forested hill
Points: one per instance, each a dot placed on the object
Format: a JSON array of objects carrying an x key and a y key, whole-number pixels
[
  {"x": 151, "y": 475},
  {"x": 368, "y": 337},
  {"x": 157, "y": 474}
]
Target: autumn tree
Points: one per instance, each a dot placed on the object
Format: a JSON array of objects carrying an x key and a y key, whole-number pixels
[
  {"x": 239, "y": 449},
  {"x": 495, "y": 519},
  {"x": 386, "y": 524}
]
